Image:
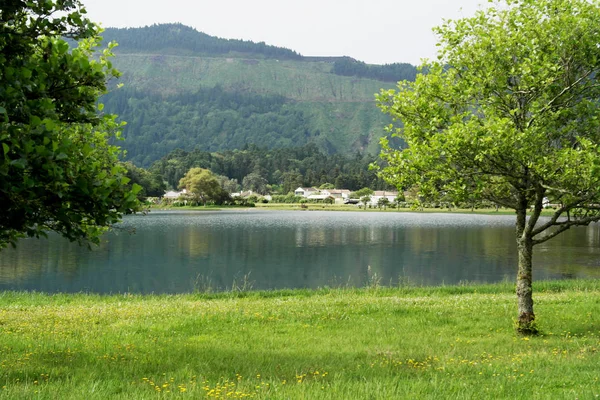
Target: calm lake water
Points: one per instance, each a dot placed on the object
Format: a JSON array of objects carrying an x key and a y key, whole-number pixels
[{"x": 174, "y": 252}]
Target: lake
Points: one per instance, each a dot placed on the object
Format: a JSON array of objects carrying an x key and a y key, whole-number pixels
[{"x": 184, "y": 251}]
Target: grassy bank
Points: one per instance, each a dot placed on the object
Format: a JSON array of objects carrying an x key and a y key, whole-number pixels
[{"x": 374, "y": 343}]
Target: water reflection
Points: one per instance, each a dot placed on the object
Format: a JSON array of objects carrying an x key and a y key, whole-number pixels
[{"x": 173, "y": 251}]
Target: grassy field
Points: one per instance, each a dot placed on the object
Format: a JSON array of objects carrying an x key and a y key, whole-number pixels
[{"x": 374, "y": 343}]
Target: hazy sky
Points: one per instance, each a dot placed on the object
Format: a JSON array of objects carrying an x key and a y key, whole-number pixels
[{"x": 374, "y": 31}]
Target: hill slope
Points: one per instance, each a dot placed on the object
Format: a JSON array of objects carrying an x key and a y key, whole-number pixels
[{"x": 185, "y": 89}]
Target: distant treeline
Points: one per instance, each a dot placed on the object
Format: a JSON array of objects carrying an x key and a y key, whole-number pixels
[
  {"x": 387, "y": 73},
  {"x": 284, "y": 169},
  {"x": 184, "y": 40},
  {"x": 211, "y": 120},
  {"x": 181, "y": 38}
]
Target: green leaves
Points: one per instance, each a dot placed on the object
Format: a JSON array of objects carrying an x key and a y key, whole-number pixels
[
  {"x": 202, "y": 185},
  {"x": 510, "y": 110},
  {"x": 57, "y": 170}
]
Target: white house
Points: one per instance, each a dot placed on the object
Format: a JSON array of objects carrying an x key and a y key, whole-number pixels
[
  {"x": 319, "y": 197},
  {"x": 172, "y": 195},
  {"x": 379, "y": 194},
  {"x": 305, "y": 192},
  {"x": 243, "y": 194},
  {"x": 339, "y": 195}
]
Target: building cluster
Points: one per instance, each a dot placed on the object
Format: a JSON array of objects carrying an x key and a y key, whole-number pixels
[
  {"x": 342, "y": 196},
  {"x": 337, "y": 196}
]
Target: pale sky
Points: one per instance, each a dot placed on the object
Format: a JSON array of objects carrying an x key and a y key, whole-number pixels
[{"x": 374, "y": 31}]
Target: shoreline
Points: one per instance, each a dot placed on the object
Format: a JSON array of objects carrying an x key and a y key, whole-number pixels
[
  {"x": 373, "y": 289},
  {"x": 344, "y": 208}
]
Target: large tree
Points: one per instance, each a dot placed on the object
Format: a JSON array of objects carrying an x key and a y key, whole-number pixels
[
  {"x": 255, "y": 182},
  {"x": 57, "y": 169},
  {"x": 508, "y": 113},
  {"x": 203, "y": 186}
]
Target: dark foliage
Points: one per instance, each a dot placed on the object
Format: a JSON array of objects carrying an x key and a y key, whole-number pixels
[
  {"x": 57, "y": 170},
  {"x": 387, "y": 73},
  {"x": 284, "y": 169},
  {"x": 210, "y": 120},
  {"x": 152, "y": 184},
  {"x": 178, "y": 38}
]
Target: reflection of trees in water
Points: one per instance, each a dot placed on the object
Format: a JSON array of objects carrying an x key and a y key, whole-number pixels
[
  {"x": 332, "y": 236},
  {"x": 573, "y": 271},
  {"x": 574, "y": 254},
  {"x": 428, "y": 255},
  {"x": 195, "y": 243},
  {"x": 36, "y": 257},
  {"x": 453, "y": 254},
  {"x": 167, "y": 256},
  {"x": 17, "y": 264}
]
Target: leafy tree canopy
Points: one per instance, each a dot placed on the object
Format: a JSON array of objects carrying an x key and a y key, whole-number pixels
[
  {"x": 509, "y": 113},
  {"x": 203, "y": 186},
  {"x": 364, "y": 192},
  {"x": 57, "y": 170},
  {"x": 255, "y": 182},
  {"x": 178, "y": 38},
  {"x": 387, "y": 73},
  {"x": 151, "y": 182},
  {"x": 284, "y": 169},
  {"x": 383, "y": 202}
]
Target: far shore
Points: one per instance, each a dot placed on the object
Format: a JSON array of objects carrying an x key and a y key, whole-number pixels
[{"x": 344, "y": 207}]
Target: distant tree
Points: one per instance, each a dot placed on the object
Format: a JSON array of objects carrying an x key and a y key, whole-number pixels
[
  {"x": 383, "y": 202},
  {"x": 387, "y": 73},
  {"x": 361, "y": 193},
  {"x": 291, "y": 181},
  {"x": 151, "y": 183},
  {"x": 255, "y": 182},
  {"x": 327, "y": 186},
  {"x": 202, "y": 186},
  {"x": 399, "y": 199},
  {"x": 228, "y": 185},
  {"x": 58, "y": 171},
  {"x": 364, "y": 195},
  {"x": 509, "y": 114},
  {"x": 366, "y": 199}
]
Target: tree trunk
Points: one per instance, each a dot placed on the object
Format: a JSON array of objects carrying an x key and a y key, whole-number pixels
[{"x": 525, "y": 323}]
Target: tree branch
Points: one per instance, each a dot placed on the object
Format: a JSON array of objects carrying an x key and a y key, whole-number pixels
[
  {"x": 557, "y": 214},
  {"x": 558, "y": 96},
  {"x": 537, "y": 210},
  {"x": 563, "y": 226}
]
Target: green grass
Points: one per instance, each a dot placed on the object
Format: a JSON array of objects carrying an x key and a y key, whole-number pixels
[{"x": 375, "y": 343}]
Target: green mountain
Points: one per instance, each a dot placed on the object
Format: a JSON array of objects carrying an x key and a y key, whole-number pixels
[{"x": 185, "y": 89}]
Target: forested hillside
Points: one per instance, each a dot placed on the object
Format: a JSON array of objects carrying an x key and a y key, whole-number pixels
[
  {"x": 181, "y": 39},
  {"x": 387, "y": 73},
  {"x": 185, "y": 89}
]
